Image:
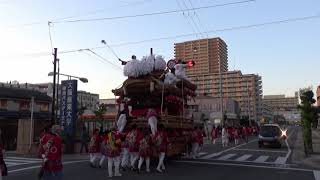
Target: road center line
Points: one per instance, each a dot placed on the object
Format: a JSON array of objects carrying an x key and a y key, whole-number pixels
[
  {"x": 288, "y": 146},
  {"x": 35, "y": 167}
]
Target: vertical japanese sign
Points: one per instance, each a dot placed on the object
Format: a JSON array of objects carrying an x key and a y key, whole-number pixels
[{"x": 68, "y": 106}]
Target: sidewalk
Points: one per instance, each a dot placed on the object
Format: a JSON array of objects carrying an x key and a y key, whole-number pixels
[{"x": 298, "y": 155}]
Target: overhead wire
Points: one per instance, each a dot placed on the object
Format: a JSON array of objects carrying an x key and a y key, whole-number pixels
[
  {"x": 103, "y": 10},
  {"x": 198, "y": 18},
  {"x": 192, "y": 19},
  {"x": 73, "y": 16},
  {"x": 233, "y": 28},
  {"x": 153, "y": 13},
  {"x": 210, "y": 31},
  {"x": 187, "y": 19}
]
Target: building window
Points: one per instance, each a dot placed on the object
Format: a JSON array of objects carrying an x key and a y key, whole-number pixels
[
  {"x": 3, "y": 104},
  {"x": 24, "y": 105},
  {"x": 44, "y": 107}
]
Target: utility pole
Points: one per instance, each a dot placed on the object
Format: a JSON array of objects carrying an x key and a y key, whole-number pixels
[
  {"x": 221, "y": 98},
  {"x": 248, "y": 101},
  {"x": 54, "y": 86},
  {"x": 57, "y": 89}
]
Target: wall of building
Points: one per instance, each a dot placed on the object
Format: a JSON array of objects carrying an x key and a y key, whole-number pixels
[
  {"x": 245, "y": 89},
  {"x": 210, "y": 55},
  {"x": 88, "y": 100},
  {"x": 281, "y": 105}
]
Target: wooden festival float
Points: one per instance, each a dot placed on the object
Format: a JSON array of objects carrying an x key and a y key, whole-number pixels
[{"x": 161, "y": 90}]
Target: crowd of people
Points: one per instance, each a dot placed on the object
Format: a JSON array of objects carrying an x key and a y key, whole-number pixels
[
  {"x": 233, "y": 134},
  {"x": 128, "y": 150}
]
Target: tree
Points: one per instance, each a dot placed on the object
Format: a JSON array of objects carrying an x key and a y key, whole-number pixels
[
  {"x": 100, "y": 111},
  {"x": 308, "y": 116}
]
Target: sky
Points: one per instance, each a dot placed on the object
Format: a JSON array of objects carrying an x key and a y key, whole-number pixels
[{"x": 285, "y": 55}]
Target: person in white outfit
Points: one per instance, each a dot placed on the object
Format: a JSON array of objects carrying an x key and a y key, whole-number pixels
[
  {"x": 224, "y": 136},
  {"x": 122, "y": 121},
  {"x": 195, "y": 143},
  {"x": 124, "y": 153},
  {"x": 152, "y": 120}
]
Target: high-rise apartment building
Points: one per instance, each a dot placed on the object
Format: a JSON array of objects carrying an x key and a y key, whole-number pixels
[
  {"x": 210, "y": 55},
  {"x": 244, "y": 88}
]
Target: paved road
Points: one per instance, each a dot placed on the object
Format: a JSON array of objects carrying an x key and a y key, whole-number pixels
[
  {"x": 182, "y": 170},
  {"x": 244, "y": 161}
]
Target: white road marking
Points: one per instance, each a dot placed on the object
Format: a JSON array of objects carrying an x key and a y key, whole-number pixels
[
  {"x": 209, "y": 156},
  {"x": 244, "y": 157},
  {"x": 11, "y": 163},
  {"x": 245, "y": 165},
  {"x": 280, "y": 160},
  {"x": 21, "y": 158},
  {"x": 289, "y": 151},
  {"x": 202, "y": 153},
  {"x": 17, "y": 160},
  {"x": 316, "y": 175},
  {"x": 260, "y": 150},
  {"x": 35, "y": 167},
  {"x": 226, "y": 157},
  {"x": 261, "y": 159}
]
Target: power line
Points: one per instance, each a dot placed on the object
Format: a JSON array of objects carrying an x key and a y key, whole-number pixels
[
  {"x": 102, "y": 10},
  {"x": 200, "y": 23},
  {"x": 192, "y": 19},
  {"x": 73, "y": 16},
  {"x": 154, "y": 13},
  {"x": 305, "y": 18},
  {"x": 187, "y": 19},
  {"x": 211, "y": 31}
]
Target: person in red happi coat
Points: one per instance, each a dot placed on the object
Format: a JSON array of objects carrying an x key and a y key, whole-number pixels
[
  {"x": 145, "y": 149},
  {"x": 95, "y": 148},
  {"x": 50, "y": 151}
]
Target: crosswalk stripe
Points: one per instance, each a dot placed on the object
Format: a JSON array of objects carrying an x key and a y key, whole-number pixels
[
  {"x": 225, "y": 157},
  {"x": 261, "y": 159},
  {"x": 11, "y": 163},
  {"x": 202, "y": 153},
  {"x": 209, "y": 156},
  {"x": 21, "y": 158},
  {"x": 244, "y": 157},
  {"x": 22, "y": 161},
  {"x": 280, "y": 160}
]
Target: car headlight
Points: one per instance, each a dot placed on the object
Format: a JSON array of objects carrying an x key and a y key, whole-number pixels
[
  {"x": 283, "y": 133},
  {"x": 260, "y": 136}
]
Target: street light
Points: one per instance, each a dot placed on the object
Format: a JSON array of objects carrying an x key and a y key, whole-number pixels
[{"x": 82, "y": 79}]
